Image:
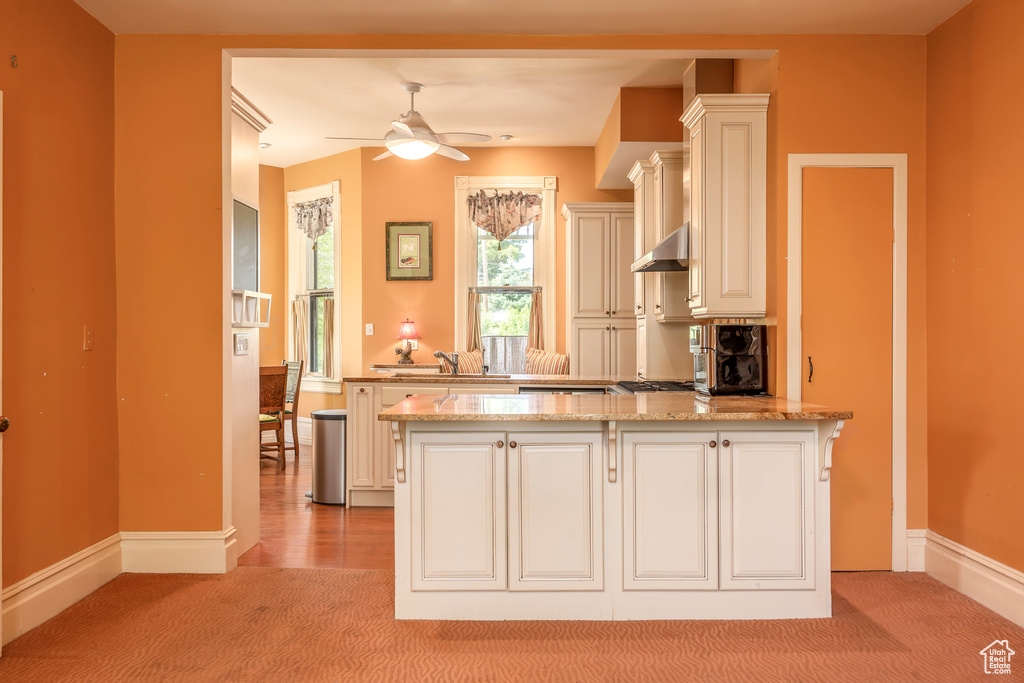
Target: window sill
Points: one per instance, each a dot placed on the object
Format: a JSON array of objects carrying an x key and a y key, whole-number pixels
[{"x": 319, "y": 385}]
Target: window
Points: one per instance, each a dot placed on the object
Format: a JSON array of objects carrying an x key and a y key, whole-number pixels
[
  {"x": 505, "y": 279},
  {"x": 313, "y": 307}
]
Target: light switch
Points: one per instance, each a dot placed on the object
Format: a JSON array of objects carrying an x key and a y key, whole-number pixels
[
  {"x": 242, "y": 344},
  {"x": 87, "y": 338},
  {"x": 369, "y": 329}
]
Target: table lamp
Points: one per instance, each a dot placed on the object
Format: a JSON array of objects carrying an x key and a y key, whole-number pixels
[{"x": 406, "y": 332}]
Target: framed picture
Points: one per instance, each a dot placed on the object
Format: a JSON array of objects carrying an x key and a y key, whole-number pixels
[{"x": 410, "y": 251}]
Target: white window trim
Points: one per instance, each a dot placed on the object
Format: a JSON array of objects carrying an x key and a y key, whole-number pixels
[
  {"x": 465, "y": 247},
  {"x": 296, "y": 277}
]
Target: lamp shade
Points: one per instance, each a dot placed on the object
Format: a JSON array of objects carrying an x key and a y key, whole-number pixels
[
  {"x": 408, "y": 330},
  {"x": 412, "y": 149}
]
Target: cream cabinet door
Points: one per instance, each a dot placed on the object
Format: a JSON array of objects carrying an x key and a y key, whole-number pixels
[
  {"x": 458, "y": 511},
  {"x": 621, "y": 277},
  {"x": 623, "y": 359},
  {"x": 591, "y": 265},
  {"x": 670, "y": 511},
  {"x": 363, "y": 435},
  {"x": 590, "y": 348},
  {"x": 556, "y": 534},
  {"x": 767, "y": 509},
  {"x": 641, "y": 347}
]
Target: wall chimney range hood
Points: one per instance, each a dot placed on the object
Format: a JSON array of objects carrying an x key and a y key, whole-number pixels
[{"x": 672, "y": 253}]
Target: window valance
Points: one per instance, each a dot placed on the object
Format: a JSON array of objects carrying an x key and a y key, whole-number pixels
[
  {"x": 503, "y": 214},
  {"x": 314, "y": 216}
]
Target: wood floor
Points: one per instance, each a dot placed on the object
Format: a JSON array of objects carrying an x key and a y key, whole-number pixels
[{"x": 295, "y": 532}]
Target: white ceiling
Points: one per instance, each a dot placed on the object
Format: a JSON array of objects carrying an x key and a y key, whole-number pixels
[
  {"x": 539, "y": 101},
  {"x": 526, "y": 17}
]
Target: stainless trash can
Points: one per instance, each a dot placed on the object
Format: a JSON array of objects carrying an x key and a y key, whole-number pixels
[{"x": 329, "y": 456}]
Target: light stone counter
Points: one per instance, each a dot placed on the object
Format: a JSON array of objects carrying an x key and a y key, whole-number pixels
[
  {"x": 604, "y": 407},
  {"x": 560, "y": 380}
]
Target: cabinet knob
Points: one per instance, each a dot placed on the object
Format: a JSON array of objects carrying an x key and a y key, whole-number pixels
[
  {"x": 501, "y": 444},
  {"x": 638, "y": 307},
  {"x": 657, "y": 307},
  {"x": 4, "y": 423},
  {"x": 712, "y": 443},
  {"x": 614, "y": 328},
  {"x": 725, "y": 443},
  {"x": 607, "y": 328},
  {"x": 408, "y": 395},
  {"x": 607, "y": 312},
  {"x": 362, "y": 390},
  {"x": 512, "y": 444}
]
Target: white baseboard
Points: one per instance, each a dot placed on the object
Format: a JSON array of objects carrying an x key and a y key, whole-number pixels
[
  {"x": 916, "y": 539},
  {"x": 50, "y": 591},
  {"x": 173, "y": 552},
  {"x": 993, "y": 584}
]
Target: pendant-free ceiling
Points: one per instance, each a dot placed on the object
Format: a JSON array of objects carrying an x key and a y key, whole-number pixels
[{"x": 411, "y": 138}]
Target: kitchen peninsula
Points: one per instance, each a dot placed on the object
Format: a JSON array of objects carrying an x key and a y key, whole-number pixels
[{"x": 517, "y": 506}]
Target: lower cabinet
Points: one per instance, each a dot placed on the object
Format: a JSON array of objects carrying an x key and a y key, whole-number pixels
[{"x": 515, "y": 511}]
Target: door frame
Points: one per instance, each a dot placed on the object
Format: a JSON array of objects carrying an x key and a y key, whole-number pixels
[
  {"x": 794, "y": 312},
  {"x": 1, "y": 337}
]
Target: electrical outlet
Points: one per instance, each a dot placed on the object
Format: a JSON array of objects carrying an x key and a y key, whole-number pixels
[
  {"x": 87, "y": 338},
  {"x": 369, "y": 329}
]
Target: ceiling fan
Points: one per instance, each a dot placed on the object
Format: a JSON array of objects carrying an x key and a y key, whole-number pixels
[{"x": 411, "y": 138}]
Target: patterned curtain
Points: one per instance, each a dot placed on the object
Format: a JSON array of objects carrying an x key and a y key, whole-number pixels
[
  {"x": 503, "y": 214},
  {"x": 313, "y": 217},
  {"x": 300, "y": 319},
  {"x": 329, "y": 337},
  {"x": 535, "y": 336},
  {"x": 475, "y": 341}
]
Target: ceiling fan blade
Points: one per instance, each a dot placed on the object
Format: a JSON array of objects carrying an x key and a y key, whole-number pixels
[
  {"x": 371, "y": 139},
  {"x": 462, "y": 137},
  {"x": 452, "y": 153},
  {"x": 384, "y": 155},
  {"x": 400, "y": 127}
]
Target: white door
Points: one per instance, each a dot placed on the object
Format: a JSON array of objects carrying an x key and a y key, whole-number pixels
[
  {"x": 458, "y": 511},
  {"x": 669, "y": 511},
  {"x": 591, "y": 268},
  {"x": 555, "y": 529},
  {"x": 623, "y": 351},
  {"x": 622, "y": 278},
  {"x": 767, "y": 510},
  {"x": 590, "y": 349}
]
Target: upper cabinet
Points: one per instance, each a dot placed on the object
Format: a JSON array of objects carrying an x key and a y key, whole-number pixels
[
  {"x": 600, "y": 254},
  {"x": 728, "y": 154}
]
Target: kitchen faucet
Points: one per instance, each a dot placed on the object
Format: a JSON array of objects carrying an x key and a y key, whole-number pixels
[{"x": 453, "y": 360}]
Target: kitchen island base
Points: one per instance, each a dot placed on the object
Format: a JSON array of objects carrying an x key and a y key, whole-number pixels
[{"x": 598, "y": 519}]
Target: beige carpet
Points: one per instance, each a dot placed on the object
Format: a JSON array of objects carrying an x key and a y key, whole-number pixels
[{"x": 297, "y": 625}]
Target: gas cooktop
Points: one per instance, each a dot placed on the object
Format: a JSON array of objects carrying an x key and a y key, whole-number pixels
[{"x": 657, "y": 385}]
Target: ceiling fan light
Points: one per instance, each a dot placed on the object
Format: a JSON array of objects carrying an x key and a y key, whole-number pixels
[{"x": 412, "y": 149}]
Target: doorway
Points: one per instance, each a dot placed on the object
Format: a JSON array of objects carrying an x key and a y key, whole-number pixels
[{"x": 847, "y": 306}]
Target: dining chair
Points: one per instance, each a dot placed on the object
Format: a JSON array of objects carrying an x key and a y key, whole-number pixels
[
  {"x": 273, "y": 392},
  {"x": 295, "y": 368}
]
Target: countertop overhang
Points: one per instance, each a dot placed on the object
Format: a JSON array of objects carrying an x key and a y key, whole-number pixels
[
  {"x": 557, "y": 380},
  {"x": 604, "y": 407}
]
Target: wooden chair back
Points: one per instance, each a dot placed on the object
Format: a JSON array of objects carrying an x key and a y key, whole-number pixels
[
  {"x": 273, "y": 389},
  {"x": 295, "y": 368}
]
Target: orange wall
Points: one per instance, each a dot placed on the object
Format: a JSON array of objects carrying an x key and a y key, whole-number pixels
[
  {"x": 425, "y": 191},
  {"x": 60, "y": 455},
  {"x": 836, "y": 94},
  {"x": 171, "y": 290},
  {"x": 272, "y": 263},
  {"x": 975, "y": 469}
]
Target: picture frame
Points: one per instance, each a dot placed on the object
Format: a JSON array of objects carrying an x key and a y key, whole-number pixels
[{"x": 409, "y": 251}]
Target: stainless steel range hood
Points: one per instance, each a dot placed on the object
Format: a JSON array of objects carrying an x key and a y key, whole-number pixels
[{"x": 672, "y": 253}]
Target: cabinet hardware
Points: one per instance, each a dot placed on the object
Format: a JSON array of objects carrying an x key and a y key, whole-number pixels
[
  {"x": 712, "y": 443},
  {"x": 512, "y": 444},
  {"x": 638, "y": 307},
  {"x": 607, "y": 328},
  {"x": 362, "y": 390},
  {"x": 657, "y": 307},
  {"x": 726, "y": 444},
  {"x": 614, "y": 328},
  {"x": 607, "y": 312},
  {"x": 4, "y": 423},
  {"x": 811, "y": 374},
  {"x": 408, "y": 395},
  {"x": 501, "y": 444}
]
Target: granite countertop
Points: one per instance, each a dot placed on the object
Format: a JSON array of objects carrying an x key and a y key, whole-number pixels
[
  {"x": 559, "y": 380},
  {"x": 600, "y": 407}
]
